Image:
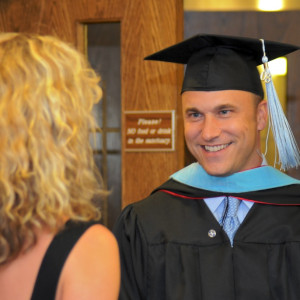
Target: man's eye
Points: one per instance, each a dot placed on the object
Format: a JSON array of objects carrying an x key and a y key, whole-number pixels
[
  {"x": 195, "y": 115},
  {"x": 224, "y": 112}
]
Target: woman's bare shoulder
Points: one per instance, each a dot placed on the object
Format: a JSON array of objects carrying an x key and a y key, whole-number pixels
[{"x": 92, "y": 270}]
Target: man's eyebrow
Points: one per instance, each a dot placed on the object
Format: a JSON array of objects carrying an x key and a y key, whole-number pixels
[
  {"x": 219, "y": 107},
  {"x": 188, "y": 109},
  {"x": 225, "y": 106}
]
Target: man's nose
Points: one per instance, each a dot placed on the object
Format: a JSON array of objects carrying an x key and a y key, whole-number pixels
[{"x": 210, "y": 128}]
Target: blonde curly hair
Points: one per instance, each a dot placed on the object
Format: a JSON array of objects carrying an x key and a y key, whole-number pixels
[{"x": 47, "y": 171}]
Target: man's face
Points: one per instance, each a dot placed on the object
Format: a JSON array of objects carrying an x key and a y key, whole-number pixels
[{"x": 222, "y": 129}]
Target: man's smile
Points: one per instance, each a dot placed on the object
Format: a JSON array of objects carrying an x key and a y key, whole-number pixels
[{"x": 215, "y": 148}]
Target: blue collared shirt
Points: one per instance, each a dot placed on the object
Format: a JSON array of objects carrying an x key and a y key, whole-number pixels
[{"x": 216, "y": 206}]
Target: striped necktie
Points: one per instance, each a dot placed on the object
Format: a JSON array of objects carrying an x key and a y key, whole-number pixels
[{"x": 231, "y": 222}]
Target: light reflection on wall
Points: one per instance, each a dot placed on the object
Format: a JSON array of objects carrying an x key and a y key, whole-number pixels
[
  {"x": 270, "y": 5},
  {"x": 238, "y": 5}
]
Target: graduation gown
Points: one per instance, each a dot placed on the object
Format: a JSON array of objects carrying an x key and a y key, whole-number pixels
[{"x": 168, "y": 252}]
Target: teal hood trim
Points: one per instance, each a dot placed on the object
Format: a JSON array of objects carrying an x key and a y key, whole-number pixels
[{"x": 261, "y": 178}]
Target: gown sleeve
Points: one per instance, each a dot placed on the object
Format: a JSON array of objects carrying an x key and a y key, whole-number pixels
[{"x": 133, "y": 255}]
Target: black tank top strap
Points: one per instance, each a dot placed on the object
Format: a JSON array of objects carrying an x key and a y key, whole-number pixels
[{"x": 54, "y": 259}]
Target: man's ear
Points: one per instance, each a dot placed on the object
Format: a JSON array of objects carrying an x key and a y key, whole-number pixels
[{"x": 262, "y": 115}]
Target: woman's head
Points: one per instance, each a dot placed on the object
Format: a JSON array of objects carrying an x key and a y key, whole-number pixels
[{"x": 47, "y": 172}]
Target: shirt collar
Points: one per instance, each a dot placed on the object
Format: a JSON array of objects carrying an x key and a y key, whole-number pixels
[{"x": 214, "y": 203}]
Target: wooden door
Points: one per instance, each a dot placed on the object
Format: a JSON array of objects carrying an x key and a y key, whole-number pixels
[{"x": 145, "y": 26}]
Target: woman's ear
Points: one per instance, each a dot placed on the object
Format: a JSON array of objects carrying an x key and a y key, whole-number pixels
[{"x": 262, "y": 115}]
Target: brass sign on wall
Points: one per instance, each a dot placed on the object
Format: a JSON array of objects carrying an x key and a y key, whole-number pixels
[{"x": 149, "y": 130}]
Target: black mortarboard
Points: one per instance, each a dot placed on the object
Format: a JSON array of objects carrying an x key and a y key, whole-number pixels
[{"x": 216, "y": 62}]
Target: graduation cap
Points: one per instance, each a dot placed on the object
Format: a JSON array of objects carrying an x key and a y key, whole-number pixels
[{"x": 218, "y": 62}]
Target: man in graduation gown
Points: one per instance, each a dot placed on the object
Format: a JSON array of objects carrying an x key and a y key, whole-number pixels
[{"x": 228, "y": 226}]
